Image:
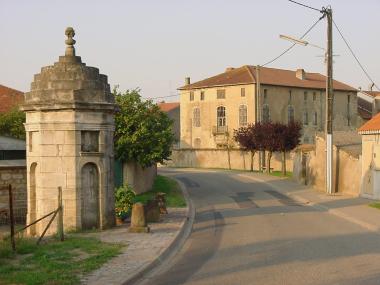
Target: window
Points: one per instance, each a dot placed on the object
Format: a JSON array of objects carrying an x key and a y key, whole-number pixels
[
  {"x": 242, "y": 92},
  {"x": 314, "y": 96},
  {"x": 305, "y": 96},
  {"x": 221, "y": 116},
  {"x": 305, "y": 140},
  {"x": 305, "y": 118},
  {"x": 242, "y": 115},
  {"x": 191, "y": 95},
  {"x": 315, "y": 121},
  {"x": 265, "y": 97},
  {"x": 348, "y": 110},
  {"x": 90, "y": 141},
  {"x": 290, "y": 114},
  {"x": 221, "y": 94},
  {"x": 202, "y": 95},
  {"x": 266, "y": 114},
  {"x": 196, "y": 117},
  {"x": 290, "y": 96}
]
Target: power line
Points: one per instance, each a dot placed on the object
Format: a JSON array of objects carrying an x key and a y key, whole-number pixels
[
  {"x": 353, "y": 54},
  {"x": 305, "y": 6},
  {"x": 162, "y": 97},
  {"x": 289, "y": 48}
]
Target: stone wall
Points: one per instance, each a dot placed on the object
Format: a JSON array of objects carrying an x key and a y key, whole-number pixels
[
  {"x": 309, "y": 166},
  {"x": 16, "y": 176},
  {"x": 141, "y": 179},
  {"x": 218, "y": 158}
]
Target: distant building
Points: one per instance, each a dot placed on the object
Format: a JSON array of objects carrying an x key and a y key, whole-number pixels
[
  {"x": 12, "y": 149},
  {"x": 368, "y": 104},
  {"x": 211, "y": 109},
  {"x": 9, "y": 98},
  {"x": 173, "y": 111}
]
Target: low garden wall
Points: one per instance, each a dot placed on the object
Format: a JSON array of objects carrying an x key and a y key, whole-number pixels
[
  {"x": 139, "y": 178},
  {"x": 16, "y": 176},
  {"x": 218, "y": 158}
]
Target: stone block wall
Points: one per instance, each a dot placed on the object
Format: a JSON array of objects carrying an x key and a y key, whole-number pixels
[
  {"x": 16, "y": 176},
  {"x": 141, "y": 179}
]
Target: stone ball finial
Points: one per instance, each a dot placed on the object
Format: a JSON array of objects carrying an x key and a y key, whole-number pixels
[{"x": 70, "y": 42}]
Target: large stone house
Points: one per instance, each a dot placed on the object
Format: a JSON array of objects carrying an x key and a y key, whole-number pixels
[{"x": 211, "y": 109}]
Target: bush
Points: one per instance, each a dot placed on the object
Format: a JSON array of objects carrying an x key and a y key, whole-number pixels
[{"x": 124, "y": 197}]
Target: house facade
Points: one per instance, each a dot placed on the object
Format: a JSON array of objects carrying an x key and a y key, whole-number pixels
[{"x": 211, "y": 109}]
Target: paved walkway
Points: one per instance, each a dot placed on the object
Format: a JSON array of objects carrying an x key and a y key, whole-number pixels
[{"x": 141, "y": 251}]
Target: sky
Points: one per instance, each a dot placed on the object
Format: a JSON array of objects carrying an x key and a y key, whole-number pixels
[{"x": 154, "y": 44}]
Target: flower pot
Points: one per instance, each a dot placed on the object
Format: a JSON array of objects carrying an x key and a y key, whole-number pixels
[{"x": 119, "y": 221}]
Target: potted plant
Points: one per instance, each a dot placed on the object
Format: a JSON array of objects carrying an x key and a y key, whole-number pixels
[{"x": 124, "y": 196}]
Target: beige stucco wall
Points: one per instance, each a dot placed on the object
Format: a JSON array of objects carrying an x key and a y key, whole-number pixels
[
  {"x": 309, "y": 168},
  {"x": 139, "y": 178},
  {"x": 218, "y": 158},
  {"x": 277, "y": 99},
  {"x": 370, "y": 186}
]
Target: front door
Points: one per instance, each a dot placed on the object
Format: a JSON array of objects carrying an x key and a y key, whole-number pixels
[{"x": 90, "y": 196}]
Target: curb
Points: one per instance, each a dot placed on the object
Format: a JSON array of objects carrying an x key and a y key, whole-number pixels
[{"x": 177, "y": 242}]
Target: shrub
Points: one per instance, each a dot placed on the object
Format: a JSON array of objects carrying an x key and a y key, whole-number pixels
[{"x": 124, "y": 196}]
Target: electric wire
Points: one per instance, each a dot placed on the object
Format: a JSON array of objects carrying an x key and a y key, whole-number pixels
[
  {"x": 289, "y": 48},
  {"x": 353, "y": 54},
  {"x": 305, "y": 6}
]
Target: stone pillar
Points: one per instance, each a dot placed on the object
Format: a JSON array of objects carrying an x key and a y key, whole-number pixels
[{"x": 70, "y": 125}]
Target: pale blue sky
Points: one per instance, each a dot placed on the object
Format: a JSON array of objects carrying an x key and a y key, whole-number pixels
[{"x": 154, "y": 44}]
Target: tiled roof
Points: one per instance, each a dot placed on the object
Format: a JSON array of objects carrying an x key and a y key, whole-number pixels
[
  {"x": 268, "y": 76},
  {"x": 372, "y": 93},
  {"x": 372, "y": 126},
  {"x": 167, "y": 107},
  {"x": 364, "y": 109},
  {"x": 9, "y": 98}
]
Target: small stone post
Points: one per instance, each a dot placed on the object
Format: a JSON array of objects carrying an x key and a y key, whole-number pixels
[{"x": 138, "y": 221}]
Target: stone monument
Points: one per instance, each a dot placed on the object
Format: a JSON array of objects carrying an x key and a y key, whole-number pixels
[{"x": 69, "y": 128}]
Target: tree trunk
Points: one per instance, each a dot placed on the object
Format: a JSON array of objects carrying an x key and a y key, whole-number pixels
[
  {"x": 284, "y": 163},
  {"x": 252, "y": 156},
  {"x": 229, "y": 157},
  {"x": 268, "y": 161}
]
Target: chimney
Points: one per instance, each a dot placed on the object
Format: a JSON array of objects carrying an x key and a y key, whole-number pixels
[
  {"x": 187, "y": 80},
  {"x": 300, "y": 74},
  {"x": 229, "y": 69},
  {"x": 370, "y": 87}
]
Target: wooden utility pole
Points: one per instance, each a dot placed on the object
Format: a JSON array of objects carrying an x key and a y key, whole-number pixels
[
  {"x": 60, "y": 215},
  {"x": 258, "y": 109},
  {"x": 11, "y": 216},
  {"x": 329, "y": 104}
]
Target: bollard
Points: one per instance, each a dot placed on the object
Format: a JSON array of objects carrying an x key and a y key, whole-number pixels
[{"x": 138, "y": 221}]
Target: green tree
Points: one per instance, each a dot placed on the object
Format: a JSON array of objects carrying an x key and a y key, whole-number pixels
[
  {"x": 12, "y": 124},
  {"x": 143, "y": 133}
]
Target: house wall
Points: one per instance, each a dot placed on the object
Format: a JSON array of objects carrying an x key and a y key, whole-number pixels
[
  {"x": 278, "y": 99},
  {"x": 370, "y": 166}
]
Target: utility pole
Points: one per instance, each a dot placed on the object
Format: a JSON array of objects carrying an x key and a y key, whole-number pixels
[
  {"x": 329, "y": 104},
  {"x": 258, "y": 109}
]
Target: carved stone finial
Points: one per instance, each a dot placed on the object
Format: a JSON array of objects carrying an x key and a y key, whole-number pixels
[{"x": 70, "y": 42}]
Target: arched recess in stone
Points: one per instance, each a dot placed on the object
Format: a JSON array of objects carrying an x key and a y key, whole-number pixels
[
  {"x": 90, "y": 196},
  {"x": 32, "y": 197}
]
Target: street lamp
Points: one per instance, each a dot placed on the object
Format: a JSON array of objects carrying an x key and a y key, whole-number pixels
[{"x": 329, "y": 96}]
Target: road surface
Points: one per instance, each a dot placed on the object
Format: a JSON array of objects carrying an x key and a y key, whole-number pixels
[{"x": 246, "y": 232}]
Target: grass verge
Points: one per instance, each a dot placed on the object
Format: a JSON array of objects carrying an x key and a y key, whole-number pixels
[
  {"x": 279, "y": 174},
  {"x": 53, "y": 262},
  {"x": 375, "y": 205},
  {"x": 174, "y": 196}
]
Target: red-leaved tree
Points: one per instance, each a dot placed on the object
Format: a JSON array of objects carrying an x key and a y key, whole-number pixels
[
  {"x": 245, "y": 136},
  {"x": 289, "y": 139}
]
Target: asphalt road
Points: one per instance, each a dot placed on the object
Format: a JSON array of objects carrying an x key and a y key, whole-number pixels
[{"x": 246, "y": 232}]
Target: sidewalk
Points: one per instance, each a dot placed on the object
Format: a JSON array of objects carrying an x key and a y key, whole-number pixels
[
  {"x": 142, "y": 252},
  {"x": 353, "y": 209}
]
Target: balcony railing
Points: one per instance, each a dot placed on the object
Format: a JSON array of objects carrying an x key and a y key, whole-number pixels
[{"x": 219, "y": 130}]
